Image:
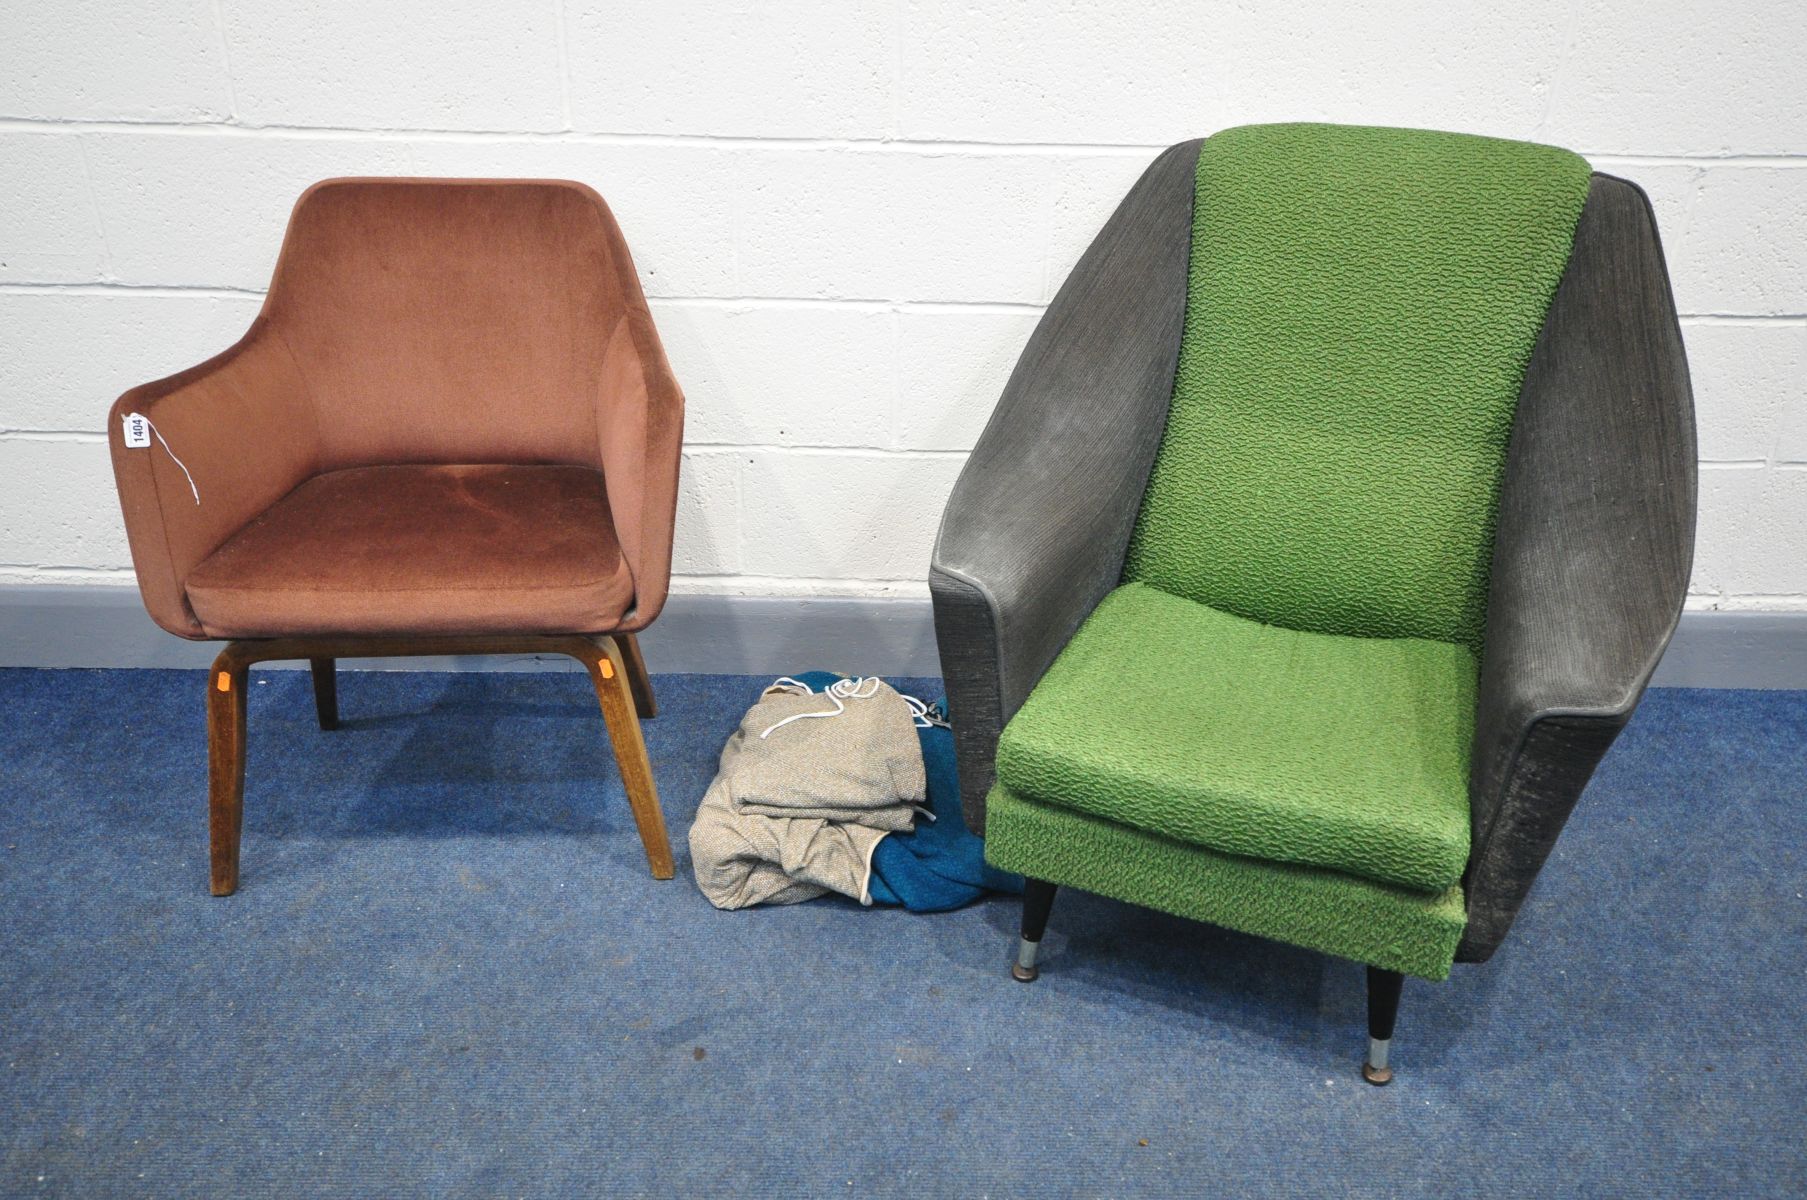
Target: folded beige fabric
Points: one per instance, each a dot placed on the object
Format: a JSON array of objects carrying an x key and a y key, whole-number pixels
[
  {"x": 853, "y": 757},
  {"x": 809, "y": 784},
  {"x": 743, "y": 859}
]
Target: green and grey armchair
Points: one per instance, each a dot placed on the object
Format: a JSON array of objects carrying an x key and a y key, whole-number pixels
[{"x": 1325, "y": 537}]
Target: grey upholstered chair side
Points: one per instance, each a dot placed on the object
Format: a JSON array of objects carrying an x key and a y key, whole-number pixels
[
  {"x": 1035, "y": 532},
  {"x": 1592, "y": 551}
]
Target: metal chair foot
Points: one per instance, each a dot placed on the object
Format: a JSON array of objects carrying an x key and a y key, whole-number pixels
[
  {"x": 1024, "y": 970},
  {"x": 1375, "y": 1069}
]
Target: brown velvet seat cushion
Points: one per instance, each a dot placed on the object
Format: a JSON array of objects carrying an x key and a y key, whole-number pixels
[{"x": 422, "y": 550}]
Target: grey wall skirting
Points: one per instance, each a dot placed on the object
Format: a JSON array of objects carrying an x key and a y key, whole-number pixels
[
  {"x": 1737, "y": 649},
  {"x": 106, "y": 626}
]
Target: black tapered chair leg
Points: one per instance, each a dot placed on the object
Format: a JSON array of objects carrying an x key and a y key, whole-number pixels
[
  {"x": 1038, "y": 900},
  {"x": 326, "y": 691},
  {"x": 1383, "y": 1010}
]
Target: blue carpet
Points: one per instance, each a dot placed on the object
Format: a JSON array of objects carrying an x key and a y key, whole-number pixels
[{"x": 449, "y": 973}]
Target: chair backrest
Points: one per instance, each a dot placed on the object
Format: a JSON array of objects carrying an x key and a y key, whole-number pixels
[
  {"x": 1361, "y": 308},
  {"x": 446, "y": 320}
]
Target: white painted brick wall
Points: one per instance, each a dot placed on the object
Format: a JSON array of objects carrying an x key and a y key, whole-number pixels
[
  {"x": 114, "y": 62},
  {"x": 64, "y": 348},
  {"x": 848, "y": 213},
  {"x": 397, "y": 64}
]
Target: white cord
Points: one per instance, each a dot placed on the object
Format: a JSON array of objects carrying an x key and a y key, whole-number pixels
[
  {"x": 845, "y": 689},
  {"x": 172, "y": 456},
  {"x": 839, "y": 690}
]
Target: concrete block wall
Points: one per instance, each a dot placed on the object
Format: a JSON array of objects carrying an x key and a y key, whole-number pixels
[{"x": 848, "y": 214}]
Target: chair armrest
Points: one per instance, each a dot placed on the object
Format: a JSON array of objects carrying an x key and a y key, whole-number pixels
[
  {"x": 640, "y": 433},
  {"x": 1592, "y": 552},
  {"x": 1035, "y": 531},
  {"x": 243, "y": 425}
]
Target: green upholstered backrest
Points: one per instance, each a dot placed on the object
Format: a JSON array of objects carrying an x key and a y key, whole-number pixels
[{"x": 1362, "y": 306}]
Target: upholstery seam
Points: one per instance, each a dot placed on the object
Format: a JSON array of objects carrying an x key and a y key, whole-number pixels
[
  {"x": 1641, "y": 682},
  {"x": 602, "y": 466},
  {"x": 320, "y": 591},
  {"x": 223, "y": 359}
]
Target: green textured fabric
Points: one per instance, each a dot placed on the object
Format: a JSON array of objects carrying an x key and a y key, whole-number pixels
[
  {"x": 1338, "y": 752},
  {"x": 1362, "y": 306},
  {"x": 1394, "y": 928}
]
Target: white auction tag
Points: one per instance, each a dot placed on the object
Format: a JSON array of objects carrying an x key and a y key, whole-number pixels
[{"x": 137, "y": 431}]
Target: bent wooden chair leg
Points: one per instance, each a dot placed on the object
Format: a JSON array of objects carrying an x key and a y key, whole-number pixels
[
  {"x": 637, "y": 678},
  {"x": 326, "y": 692},
  {"x": 225, "y": 767},
  {"x": 609, "y": 673}
]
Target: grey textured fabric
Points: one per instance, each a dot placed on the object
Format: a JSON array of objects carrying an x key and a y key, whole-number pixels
[
  {"x": 797, "y": 813},
  {"x": 1592, "y": 552},
  {"x": 1037, "y": 526}
]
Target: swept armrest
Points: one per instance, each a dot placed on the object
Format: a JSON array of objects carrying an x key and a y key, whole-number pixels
[
  {"x": 1592, "y": 552},
  {"x": 243, "y": 425},
  {"x": 1035, "y": 531},
  {"x": 640, "y": 431}
]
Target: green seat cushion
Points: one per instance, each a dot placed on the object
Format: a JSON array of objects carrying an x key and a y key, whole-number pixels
[
  {"x": 1396, "y": 928},
  {"x": 1362, "y": 306},
  {"x": 1173, "y": 718}
]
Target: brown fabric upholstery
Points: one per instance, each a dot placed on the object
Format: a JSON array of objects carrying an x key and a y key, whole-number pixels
[
  {"x": 418, "y": 322},
  {"x": 421, "y": 549}
]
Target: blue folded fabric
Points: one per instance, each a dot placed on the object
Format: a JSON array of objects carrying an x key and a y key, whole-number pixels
[{"x": 940, "y": 865}]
